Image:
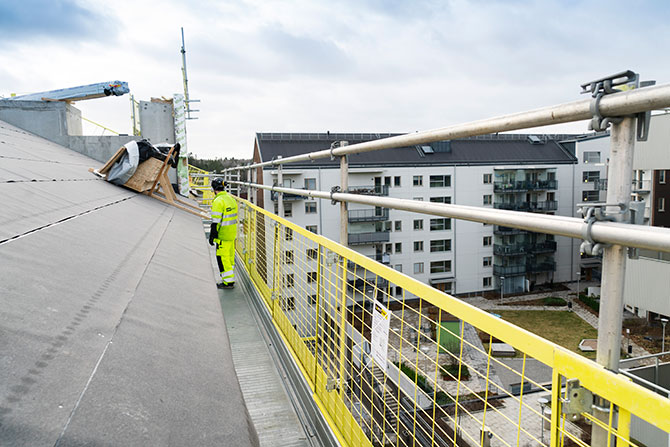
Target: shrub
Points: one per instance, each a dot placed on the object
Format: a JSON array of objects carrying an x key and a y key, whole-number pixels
[
  {"x": 449, "y": 370},
  {"x": 590, "y": 301},
  {"x": 554, "y": 301}
]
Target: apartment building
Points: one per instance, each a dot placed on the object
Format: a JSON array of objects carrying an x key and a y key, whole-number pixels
[{"x": 531, "y": 173}]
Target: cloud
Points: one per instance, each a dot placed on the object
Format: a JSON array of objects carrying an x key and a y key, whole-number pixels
[{"x": 30, "y": 20}]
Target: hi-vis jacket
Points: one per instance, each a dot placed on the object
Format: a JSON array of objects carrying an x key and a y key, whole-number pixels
[{"x": 224, "y": 213}]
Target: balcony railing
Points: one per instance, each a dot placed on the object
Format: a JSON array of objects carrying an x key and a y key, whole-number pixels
[
  {"x": 509, "y": 270},
  {"x": 382, "y": 257},
  {"x": 548, "y": 205},
  {"x": 506, "y": 231},
  {"x": 373, "y": 190},
  {"x": 525, "y": 185},
  {"x": 369, "y": 238},
  {"x": 600, "y": 184},
  {"x": 510, "y": 250},
  {"x": 641, "y": 185},
  {"x": 287, "y": 197},
  {"x": 372, "y": 215},
  {"x": 542, "y": 247},
  {"x": 548, "y": 266}
]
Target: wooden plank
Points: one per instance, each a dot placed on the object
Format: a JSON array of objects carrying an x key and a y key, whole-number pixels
[
  {"x": 107, "y": 166},
  {"x": 145, "y": 175}
]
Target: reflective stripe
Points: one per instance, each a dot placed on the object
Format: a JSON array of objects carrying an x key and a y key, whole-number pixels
[
  {"x": 216, "y": 215},
  {"x": 229, "y": 216},
  {"x": 229, "y": 222}
]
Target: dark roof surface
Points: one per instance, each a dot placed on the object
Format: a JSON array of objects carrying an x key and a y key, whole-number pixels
[
  {"x": 485, "y": 150},
  {"x": 110, "y": 325}
]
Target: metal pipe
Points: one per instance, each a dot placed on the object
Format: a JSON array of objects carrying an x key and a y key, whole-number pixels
[
  {"x": 280, "y": 195},
  {"x": 344, "y": 185},
  {"x": 608, "y": 351},
  {"x": 652, "y": 238},
  {"x": 616, "y": 104}
]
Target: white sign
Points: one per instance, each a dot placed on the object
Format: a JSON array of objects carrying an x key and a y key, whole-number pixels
[{"x": 380, "y": 334}]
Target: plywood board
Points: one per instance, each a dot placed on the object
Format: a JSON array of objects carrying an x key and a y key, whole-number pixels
[{"x": 145, "y": 175}]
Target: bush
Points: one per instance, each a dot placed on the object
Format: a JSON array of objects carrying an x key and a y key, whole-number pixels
[
  {"x": 590, "y": 301},
  {"x": 554, "y": 301},
  {"x": 419, "y": 379},
  {"x": 449, "y": 370}
]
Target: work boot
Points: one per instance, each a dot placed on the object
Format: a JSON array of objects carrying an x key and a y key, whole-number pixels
[
  {"x": 220, "y": 286},
  {"x": 230, "y": 285}
]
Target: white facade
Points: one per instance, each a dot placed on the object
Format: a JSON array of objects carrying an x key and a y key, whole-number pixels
[{"x": 462, "y": 257}]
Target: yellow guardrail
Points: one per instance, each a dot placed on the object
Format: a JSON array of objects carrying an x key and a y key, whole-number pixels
[
  {"x": 386, "y": 367},
  {"x": 201, "y": 184}
]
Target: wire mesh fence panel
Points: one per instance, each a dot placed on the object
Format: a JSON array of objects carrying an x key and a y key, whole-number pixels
[{"x": 395, "y": 362}]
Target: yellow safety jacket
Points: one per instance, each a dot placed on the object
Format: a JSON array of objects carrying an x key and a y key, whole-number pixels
[{"x": 224, "y": 213}]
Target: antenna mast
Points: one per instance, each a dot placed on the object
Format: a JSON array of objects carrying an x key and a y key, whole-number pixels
[{"x": 187, "y": 100}]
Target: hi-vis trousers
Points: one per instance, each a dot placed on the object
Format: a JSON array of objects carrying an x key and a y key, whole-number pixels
[{"x": 225, "y": 256}]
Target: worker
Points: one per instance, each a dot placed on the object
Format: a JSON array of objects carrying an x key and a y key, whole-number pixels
[{"x": 223, "y": 232}]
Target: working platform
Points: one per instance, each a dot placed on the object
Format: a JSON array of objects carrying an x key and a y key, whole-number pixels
[{"x": 110, "y": 325}]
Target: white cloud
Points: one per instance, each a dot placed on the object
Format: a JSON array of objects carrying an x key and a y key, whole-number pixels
[{"x": 374, "y": 65}]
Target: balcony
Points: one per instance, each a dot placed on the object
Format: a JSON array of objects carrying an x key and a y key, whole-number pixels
[
  {"x": 510, "y": 250},
  {"x": 374, "y": 190},
  {"x": 381, "y": 257},
  {"x": 540, "y": 267},
  {"x": 600, "y": 184},
  {"x": 509, "y": 270},
  {"x": 287, "y": 197},
  {"x": 372, "y": 215},
  {"x": 527, "y": 185},
  {"x": 641, "y": 186},
  {"x": 548, "y": 205},
  {"x": 369, "y": 238},
  {"x": 506, "y": 231},
  {"x": 542, "y": 247}
]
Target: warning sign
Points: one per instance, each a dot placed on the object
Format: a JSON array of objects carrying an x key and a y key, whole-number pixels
[{"x": 380, "y": 334}]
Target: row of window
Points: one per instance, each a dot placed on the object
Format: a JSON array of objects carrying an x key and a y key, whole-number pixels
[{"x": 435, "y": 181}]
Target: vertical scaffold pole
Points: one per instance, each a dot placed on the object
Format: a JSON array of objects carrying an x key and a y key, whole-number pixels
[
  {"x": 280, "y": 196},
  {"x": 344, "y": 184},
  {"x": 619, "y": 180}
]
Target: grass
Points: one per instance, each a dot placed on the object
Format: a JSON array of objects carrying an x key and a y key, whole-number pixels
[{"x": 563, "y": 328}]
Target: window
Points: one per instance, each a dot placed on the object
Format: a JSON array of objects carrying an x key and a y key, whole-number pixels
[
  {"x": 590, "y": 176},
  {"x": 398, "y": 267},
  {"x": 488, "y": 178},
  {"x": 312, "y": 253},
  {"x": 661, "y": 177},
  {"x": 417, "y": 180},
  {"x": 310, "y": 183},
  {"x": 440, "y": 224},
  {"x": 440, "y": 266},
  {"x": 590, "y": 196},
  {"x": 310, "y": 207},
  {"x": 418, "y": 245},
  {"x": 290, "y": 280},
  {"x": 487, "y": 261},
  {"x": 418, "y": 224},
  {"x": 387, "y": 181},
  {"x": 661, "y": 204},
  {"x": 440, "y": 181},
  {"x": 288, "y": 303},
  {"x": 288, "y": 209},
  {"x": 389, "y": 248},
  {"x": 312, "y": 300},
  {"x": 396, "y": 180},
  {"x": 591, "y": 157},
  {"x": 486, "y": 281},
  {"x": 446, "y": 199},
  {"x": 440, "y": 245},
  {"x": 288, "y": 257},
  {"x": 398, "y": 225},
  {"x": 276, "y": 207},
  {"x": 487, "y": 240},
  {"x": 311, "y": 277},
  {"x": 398, "y": 247},
  {"x": 487, "y": 199},
  {"x": 288, "y": 234},
  {"x": 418, "y": 199},
  {"x": 312, "y": 228},
  {"x": 398, "y": 291},
  {"x": 418, "y": 267}
]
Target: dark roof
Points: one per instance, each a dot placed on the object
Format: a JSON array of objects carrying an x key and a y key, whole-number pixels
[
  {"x": 111, "y": 330},
  {"x": 483, "y": 150}
]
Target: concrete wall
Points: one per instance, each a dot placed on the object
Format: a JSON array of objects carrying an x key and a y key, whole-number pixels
[{"x": 60, "y": 122}]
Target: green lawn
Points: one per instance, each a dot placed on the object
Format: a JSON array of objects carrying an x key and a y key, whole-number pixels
[{"x": 563, "y": 328}]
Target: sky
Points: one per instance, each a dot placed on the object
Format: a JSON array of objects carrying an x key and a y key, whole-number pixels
[{"x": 332, "y": 65}]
